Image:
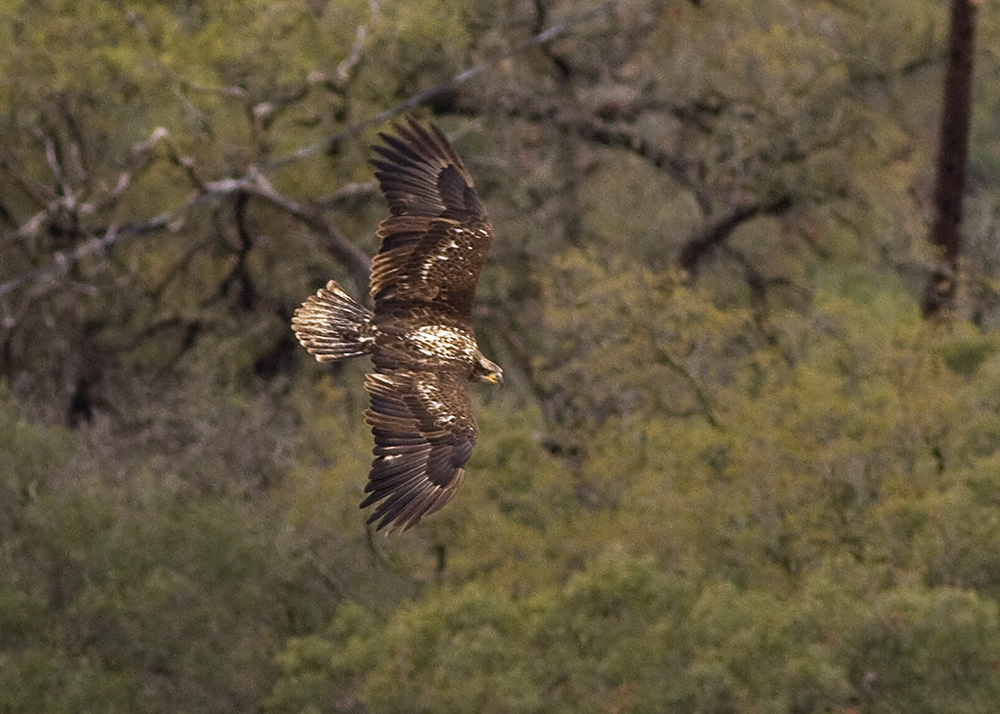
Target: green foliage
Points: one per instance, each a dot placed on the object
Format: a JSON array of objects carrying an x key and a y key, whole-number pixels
[
  {"x": 623, "y": 635},
  {"x": 112, "y": 595}
]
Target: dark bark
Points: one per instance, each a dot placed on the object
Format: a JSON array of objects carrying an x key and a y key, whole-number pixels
[
  {"x": 953, "y": 147},
  {"x": 719, "y": 231}
]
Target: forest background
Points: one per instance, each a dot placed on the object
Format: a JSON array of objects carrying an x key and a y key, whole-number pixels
[{"x": 733, "y": 468}]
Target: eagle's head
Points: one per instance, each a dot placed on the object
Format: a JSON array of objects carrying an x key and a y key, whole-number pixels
[{"x": 484, "y": 370}]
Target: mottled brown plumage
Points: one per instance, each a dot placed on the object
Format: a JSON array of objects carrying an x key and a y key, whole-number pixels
[{"x": 423, "y": 279}]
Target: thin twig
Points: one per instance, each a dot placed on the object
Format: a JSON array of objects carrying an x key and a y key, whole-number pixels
[
  {"x": 460, "y": 78},
  {"x": 358, "y": 264},
  {"x": 345, "y": 68}
]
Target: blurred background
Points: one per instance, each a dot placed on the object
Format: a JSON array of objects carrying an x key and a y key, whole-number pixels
[{"x": 741, "y": 462}]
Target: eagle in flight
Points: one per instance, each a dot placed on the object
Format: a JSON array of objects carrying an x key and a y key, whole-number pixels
[{"x": 419, "y": 336}]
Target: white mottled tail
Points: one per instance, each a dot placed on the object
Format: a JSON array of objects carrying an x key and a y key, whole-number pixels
[{"x": 331, "y": 325}]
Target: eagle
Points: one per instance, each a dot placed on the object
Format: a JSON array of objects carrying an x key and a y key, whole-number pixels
[{"x": 419, "y": 336}]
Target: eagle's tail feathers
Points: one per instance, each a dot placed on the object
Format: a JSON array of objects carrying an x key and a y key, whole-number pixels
[{"x": 332, "y": 326}]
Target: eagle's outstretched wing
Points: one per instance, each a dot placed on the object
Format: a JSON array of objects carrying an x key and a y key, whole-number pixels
[
  {"x": 423, "y": 279},
  {"x": 436, "y": 240},
  {"x": 424, "y": 433}
]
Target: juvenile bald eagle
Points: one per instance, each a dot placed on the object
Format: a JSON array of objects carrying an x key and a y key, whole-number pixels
[{"x": 420, "y": 338}]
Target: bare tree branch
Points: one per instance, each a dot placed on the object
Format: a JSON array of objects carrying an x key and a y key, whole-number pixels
[
  {"x": 36, "y": 191},
  {"x": 345, "y": 68},
  {"x": 358, "y": 264},
  {"x": 421, "y": 98},
  {"x": 719, "y": 230},
  {"x": 112, "y": 236},
  {"x": 522, "y": 356},
  {"x": 355, "y": 262}
]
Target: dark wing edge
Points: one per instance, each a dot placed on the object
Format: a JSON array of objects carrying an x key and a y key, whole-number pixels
[
  {"x": 424, "y": 434},
  {"x": 421, "y": 174}
]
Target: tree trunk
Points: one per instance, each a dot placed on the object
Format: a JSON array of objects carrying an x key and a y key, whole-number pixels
[{"x": 953, "y": 147}]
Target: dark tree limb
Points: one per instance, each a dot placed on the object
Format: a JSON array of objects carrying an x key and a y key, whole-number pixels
[
  {"x": 330, "y": 143},
  {"x": 523, "y": 358},
  {"x": 357, "y": 264},
  {"x": 211, "y": 190},
  {"x": 719, "y": 231},
  {"x": 953, "y": 148}
]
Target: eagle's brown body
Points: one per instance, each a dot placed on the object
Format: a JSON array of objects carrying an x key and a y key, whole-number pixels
[{"x": 419, "y": 336}]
